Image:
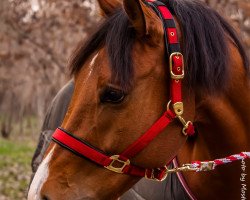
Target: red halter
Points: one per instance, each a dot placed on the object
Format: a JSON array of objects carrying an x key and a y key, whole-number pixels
[{"x": 121, "y": 163}]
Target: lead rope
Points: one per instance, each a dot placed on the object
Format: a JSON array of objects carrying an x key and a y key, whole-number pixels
[{"x": 199, "y": 166}]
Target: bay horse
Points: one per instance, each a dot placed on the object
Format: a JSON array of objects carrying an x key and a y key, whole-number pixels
[{"x": 122, "y": 88}]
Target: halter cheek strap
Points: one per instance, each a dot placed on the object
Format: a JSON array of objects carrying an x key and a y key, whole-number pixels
[
  {"x": 173, "y": 50},
  {"x": 121, "y": 163}
]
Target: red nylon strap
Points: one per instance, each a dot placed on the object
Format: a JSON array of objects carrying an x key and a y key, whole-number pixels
[
  {"x": 165, "y": 12},
  {"x": 176, "y": 61},
  {"x": 81, "y": 148},
  {"x": 172, "y": 35},
  {"x": 69, "y": 141},
  {"x": 147, "y": 137},
  {"x": 190, "y": 130},
  {"x": 176, "y": 91},
  {"x": 177, "y": 65},
  {"x": 156, "y": 173}
]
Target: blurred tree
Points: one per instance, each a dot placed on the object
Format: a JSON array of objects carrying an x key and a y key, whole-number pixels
[
  {"x": 238, "y": 11},
  {"x": 36, "y": 38}
]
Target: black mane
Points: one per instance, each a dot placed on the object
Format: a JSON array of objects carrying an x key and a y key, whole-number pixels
[
  {"x": 118, "y": 35},
  {"x": 205, "y": 46}
]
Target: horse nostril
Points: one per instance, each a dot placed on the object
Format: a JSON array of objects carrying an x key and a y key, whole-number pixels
[{"x": 45, "y": 198}]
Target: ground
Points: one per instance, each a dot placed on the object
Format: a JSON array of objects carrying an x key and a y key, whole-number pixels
[{"x": 15, "y": 169}]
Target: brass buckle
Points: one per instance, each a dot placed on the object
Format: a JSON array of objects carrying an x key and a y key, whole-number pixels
[
  {"x": 183, "y": 168},
  {"x": 175, "y": 76},
  {"x": 152, "y": 176},
  {"x": 115, "y": 158},
  {"x": 184, "y": 123},
  {"x": 177, "y": 107}
]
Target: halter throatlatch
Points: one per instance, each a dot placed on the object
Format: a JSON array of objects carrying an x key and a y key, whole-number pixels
[{"x": 121, "y": 163}]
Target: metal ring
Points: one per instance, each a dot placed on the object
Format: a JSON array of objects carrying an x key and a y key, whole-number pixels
[{"x": 168, "y": 105}]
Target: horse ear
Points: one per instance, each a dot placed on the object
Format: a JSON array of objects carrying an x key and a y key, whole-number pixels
[
  {"x": 143, "y": 18},
  {"x": 109, "y": 6}
]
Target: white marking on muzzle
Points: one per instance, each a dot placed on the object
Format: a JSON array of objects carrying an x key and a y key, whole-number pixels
[{"x": 40, "y": 178}]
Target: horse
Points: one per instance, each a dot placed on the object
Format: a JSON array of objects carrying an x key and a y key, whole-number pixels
[{"x": 122, "y": 88}]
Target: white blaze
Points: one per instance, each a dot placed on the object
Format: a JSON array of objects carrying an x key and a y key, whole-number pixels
[
  {"x": 43, "y": 171},
  {"x": 93, "y": 60},
  {"x": 40, "y": 178},
  {"x": 91, "y": 66}
]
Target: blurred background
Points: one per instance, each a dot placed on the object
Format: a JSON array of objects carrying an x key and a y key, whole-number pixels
[{"x": 36, "y": 41}]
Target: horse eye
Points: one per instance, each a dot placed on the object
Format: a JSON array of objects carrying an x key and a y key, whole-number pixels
[{"x": 111, "y": 95}]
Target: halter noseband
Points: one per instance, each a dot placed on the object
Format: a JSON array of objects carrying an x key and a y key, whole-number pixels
[{"x": 121, "y": 163}]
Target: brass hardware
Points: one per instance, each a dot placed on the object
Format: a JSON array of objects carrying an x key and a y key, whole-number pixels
[
  {"x": 185, "y": 167},
  {"x": 184, "y": 123},
  {"x": 172, "y": 33},
  {"x": 178, "y": 108},
  {"x": 168, "y": 105},
  {"x": 185, "y": 128},
  {"x": 175, "y": 76},
  {"x": 204, "y": 166},
  {"x": 207, "y": 166},
  {"x": 115, "y": 158},
  {"x": 182, "y": 120}
]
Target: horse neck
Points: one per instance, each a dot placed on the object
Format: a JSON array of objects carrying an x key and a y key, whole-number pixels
[
  {"x": 223, "y": 120},
  {"x": 223, "y": 123}
]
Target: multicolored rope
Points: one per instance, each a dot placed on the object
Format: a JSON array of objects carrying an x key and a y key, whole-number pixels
[{"x": 210, "y": 165}]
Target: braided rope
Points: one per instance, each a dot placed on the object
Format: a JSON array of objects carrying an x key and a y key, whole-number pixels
[{"x": 210, "y": 165}]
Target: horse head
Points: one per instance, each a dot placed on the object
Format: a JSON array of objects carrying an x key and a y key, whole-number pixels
[{"x": 121, "y": 80}]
